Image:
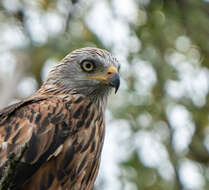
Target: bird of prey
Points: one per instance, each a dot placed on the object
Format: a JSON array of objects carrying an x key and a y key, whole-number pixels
[{"x": 62, "y": 125}]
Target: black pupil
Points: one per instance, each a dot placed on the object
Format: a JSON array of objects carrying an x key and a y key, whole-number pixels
[{"x": 88, "y": 65}]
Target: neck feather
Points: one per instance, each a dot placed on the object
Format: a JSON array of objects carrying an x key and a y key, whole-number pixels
[{"x": 99, "y": 95}]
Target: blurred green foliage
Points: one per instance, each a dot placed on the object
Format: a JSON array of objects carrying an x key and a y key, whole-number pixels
[{"x": 173, "y": 37}]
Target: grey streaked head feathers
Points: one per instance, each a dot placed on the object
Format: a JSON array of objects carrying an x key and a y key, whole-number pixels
[{"x": 72, "y": 78}]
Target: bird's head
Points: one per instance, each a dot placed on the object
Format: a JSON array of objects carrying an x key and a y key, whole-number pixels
[{"x": 89, "y": 71}]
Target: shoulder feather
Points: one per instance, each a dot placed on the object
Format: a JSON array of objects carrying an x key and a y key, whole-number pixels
[{"x": 41, "y": 123}]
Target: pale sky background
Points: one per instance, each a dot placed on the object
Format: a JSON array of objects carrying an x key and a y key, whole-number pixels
[{"x": 115, "y": 32}]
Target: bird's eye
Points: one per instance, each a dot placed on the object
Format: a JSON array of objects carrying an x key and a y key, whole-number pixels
[{"x": 87, "y": 66}]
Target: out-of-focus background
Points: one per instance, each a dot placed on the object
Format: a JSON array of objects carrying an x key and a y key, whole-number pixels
[{"x": 157, "y": 135}]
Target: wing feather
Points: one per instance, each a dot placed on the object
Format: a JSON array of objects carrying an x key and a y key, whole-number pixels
[{"x": 37, "y": 122}]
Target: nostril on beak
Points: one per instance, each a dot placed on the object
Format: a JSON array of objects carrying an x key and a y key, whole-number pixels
[{"x": 109, "y": 73}]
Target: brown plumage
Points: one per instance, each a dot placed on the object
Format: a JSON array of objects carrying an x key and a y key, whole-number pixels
[{"x": 62, "y": 125}]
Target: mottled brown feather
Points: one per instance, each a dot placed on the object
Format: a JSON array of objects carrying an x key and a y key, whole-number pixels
[{"x": 59, "y": 147}]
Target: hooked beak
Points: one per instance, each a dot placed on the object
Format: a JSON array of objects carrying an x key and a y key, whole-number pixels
[
  {"x": 111, "y": 77},
  {"x": 114, "y": 81}
]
